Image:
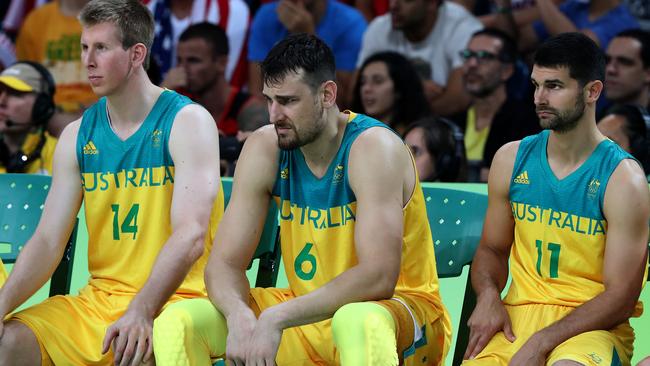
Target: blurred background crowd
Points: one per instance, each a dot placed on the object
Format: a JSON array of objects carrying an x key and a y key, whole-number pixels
[{"x": 450, "y": 76}]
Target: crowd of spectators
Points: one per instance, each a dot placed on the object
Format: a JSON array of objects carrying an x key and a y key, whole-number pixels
[{"x": 416, "y": 65}]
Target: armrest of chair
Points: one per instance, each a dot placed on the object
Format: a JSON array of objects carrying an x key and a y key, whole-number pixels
[{"x": 62, "y": 276}]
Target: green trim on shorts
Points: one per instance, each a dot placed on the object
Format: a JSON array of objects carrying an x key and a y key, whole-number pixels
[{"x": 616, "y": 360}]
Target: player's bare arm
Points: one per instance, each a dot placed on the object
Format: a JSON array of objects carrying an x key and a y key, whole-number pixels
[
  {"x": 42, "y": 253},
  {"x": 627, "y": 210},
  {"x": 490, "y": 265},
  {"x": 194, "y": 149},
  {"x": 380, "y": 169},
  {"x": 237, "y": 238}
]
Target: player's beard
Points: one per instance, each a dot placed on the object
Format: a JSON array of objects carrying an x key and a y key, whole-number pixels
[
  {"x": 566, "y": 120},
  {"x": 302, "y": 137}
]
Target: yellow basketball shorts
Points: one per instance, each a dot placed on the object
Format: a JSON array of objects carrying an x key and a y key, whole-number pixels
[
  {"x": 311, "y": 344},
  {"x": 3, "y": 274},
  {"x": 70, "y": 329},
  {"x": 599, "y": 347}
]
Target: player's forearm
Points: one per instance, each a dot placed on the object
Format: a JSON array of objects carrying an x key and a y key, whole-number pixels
[
  {"x": 228, "y": 288},
  {"x": 604, "y": 311},
  {"x": 354, "y": 285},
  {"x": 183, "y": 248},
  {"x": 35, "y": 264},
  {"x": 489, "y": 272}
]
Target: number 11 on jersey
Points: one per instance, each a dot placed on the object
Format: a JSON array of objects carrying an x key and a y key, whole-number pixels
[{"x": 554, "y": 248}]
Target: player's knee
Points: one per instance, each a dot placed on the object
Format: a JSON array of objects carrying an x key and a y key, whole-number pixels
[
  {"x": 567, "y": 363},
  {"x": 16, "y": 343},
  {"x": 350, "y": 317},
  {"x": 173, "y": 322}
]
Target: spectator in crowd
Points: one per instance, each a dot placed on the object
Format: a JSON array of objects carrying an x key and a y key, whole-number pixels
[
  {"x": 389, "y": 89},
  {"x": 627, "y": 79},
  {"x": 51, "y": 36},
  {"x": 567, "y": 218},
  {"x": 202, "y": 55},
  {"x": 628, "y": 126},
  {"x": 493, "y": 117},
  {"x": 172, "y": 17},
  {"x": 600, "y": 20},
  {"x": 339, "y": 25},
  {"x": 431, "y": 30},
  {"x": 438, "y": 149},
  {"x": 26, "y": 104}
]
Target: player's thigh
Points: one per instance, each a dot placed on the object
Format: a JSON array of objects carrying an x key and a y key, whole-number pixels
[
  {"x": 599, "y": 347},
  {"x": 70, "y": 329},
  {"x": 19, "y": 345}
]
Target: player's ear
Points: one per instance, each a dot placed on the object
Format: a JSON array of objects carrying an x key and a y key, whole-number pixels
[
  {"x": 329, "y": 90},
  {"x": 592, "y": 91},
  {"x": 138, "y": 54}
]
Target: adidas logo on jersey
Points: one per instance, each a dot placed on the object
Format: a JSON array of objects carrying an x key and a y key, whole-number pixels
[
  {"x": 90, "y": 149},
  {"x": 522, "y": 178}
]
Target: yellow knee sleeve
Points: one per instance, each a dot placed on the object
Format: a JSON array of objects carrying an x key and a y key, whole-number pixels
[
  {"x": 364, "y": 334},
  {"x": 189, "y": 332}
]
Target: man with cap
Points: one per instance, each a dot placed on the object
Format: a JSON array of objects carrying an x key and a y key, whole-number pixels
[
  {"x": 26, "y": 91},
  {"x": 25, "y": 147}
]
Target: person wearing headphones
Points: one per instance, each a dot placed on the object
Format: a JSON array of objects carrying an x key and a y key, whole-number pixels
[
  {"x": 26, "y": 105},
  {"x": 438, "y": 149}
]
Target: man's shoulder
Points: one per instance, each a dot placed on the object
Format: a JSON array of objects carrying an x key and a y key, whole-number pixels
[
  {"x": 381, "y": 31},
  {"x": 381, "y": 24},
  {"x": 451, "y": 12},
  {"x": 454, "y": 18}
]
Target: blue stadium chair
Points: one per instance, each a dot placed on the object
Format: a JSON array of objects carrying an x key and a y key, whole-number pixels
[
  {"x": 22, "y": 197},
  {"x": 456, "y": 221}
]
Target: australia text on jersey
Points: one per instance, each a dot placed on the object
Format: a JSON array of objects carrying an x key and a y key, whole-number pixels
[
  {"x": 320, "y": 218},
  {"x": 558, "y": 219},
  {"x": 128, "y": 178}
]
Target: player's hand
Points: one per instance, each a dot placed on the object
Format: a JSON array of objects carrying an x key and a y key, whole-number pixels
[
  {"x": 488, "y": 318},
  {"x": 176, "y": 78},
  {"x": 131, "y": 338},
  {"x": 295, "y": 17},
  {"x": 240, "y": 331},
  {"x": 265, "y": 342},
  {"x": 531, "y": 353}
]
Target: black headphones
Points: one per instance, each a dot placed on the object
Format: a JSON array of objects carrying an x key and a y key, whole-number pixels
[
  {"x": 448, "y": 165},
  {"x": 44, "y": 106},
  {"x": 42, "y": 111}
]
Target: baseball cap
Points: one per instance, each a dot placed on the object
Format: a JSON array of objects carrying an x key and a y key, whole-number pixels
[{"x": 23, "y": 77}]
